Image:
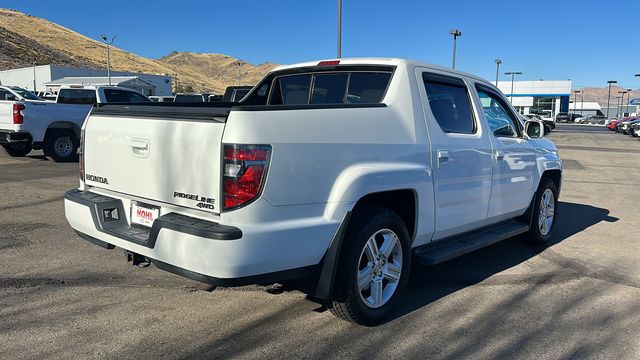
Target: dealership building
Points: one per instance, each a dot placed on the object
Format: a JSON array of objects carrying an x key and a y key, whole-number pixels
[
  {"x": 51, "y": 77},
  {"x": 544, "y": 97}
]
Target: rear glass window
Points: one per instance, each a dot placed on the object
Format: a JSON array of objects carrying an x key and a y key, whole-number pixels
[
  {"x": 77, "y": 96},
  {"x": 123, "y": 96},
  {"x": 330, "y": 88},
  {"x": 291, "y": 90},
  {"x": 367, "y": 88},
  {"x": 188, "y": 98}
]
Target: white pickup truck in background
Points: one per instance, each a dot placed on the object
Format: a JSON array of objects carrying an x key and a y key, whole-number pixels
[
  {"x": 336, "y": 173},
  {"x": 28, "y": 122}
]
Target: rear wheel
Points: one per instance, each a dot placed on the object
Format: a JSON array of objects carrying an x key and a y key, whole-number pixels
[
  {"x": 373, "y": 269},
  {"x": 61, "y": 145},
  {"x": 545, "y": 205},
  {"x": 17, "y": 150}
]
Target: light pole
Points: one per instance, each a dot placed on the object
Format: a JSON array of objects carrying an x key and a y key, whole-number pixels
[
  {"x": 628, "y": 99},
  {"x": 617, "y": 106},
  {"x": 455, "y": 33},
  {"x": 34, "y": 76},
  {"x": 581, "y": 102},
  {"x": 108, "y": 43},
  {"x": 513, "y": 75},
  {"x": 339, "y": 29},
  {"x": 498, "y": 62},
  {"x": 609, "y": 96},
  {"x": 575, "y": 100},
  {"x": 620, "y": 114}
]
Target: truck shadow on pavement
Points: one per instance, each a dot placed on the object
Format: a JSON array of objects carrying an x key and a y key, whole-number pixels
[{"x": 431, "y": 283}]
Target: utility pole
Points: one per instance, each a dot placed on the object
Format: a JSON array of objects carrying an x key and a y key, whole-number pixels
[
  {"x": 339, "y": 29},
  {"x": 108, "y": 43},
  {"x": 498, "y": 62},
  {"x": 455, "y": 33},
  {"x": 609, "y": 96},
  {"x": 513, "y": 75}
]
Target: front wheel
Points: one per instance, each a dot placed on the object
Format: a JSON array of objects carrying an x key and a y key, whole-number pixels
[
  {"x": 61, "y": 145},
  {"x": 17, "y": 150},
  {"x": 545, "y": 205},
  {"x": 373, "y": 269}
]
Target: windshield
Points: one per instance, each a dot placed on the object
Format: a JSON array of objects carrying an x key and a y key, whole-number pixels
[{"x": 26, "y": 94}]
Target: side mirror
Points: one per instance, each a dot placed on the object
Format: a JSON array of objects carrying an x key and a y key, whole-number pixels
[{"x": 534, "y": 129}]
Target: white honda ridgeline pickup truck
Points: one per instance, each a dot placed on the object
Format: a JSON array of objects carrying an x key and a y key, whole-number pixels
[{"x": 337, "y": 172}]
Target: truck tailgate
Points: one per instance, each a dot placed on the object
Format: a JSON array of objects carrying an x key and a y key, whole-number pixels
[{"x": 171, "y": 157}]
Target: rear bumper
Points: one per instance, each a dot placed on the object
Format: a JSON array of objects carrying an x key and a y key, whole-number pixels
[
  {"x": 15, "y": 138},
  {"x": 199, "y": 249}
]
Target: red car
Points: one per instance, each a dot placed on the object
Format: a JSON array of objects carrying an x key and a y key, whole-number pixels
[{"x": 612, "y": 124}]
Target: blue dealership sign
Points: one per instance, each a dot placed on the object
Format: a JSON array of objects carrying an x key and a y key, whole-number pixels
[{"x": 635, "y": 101}]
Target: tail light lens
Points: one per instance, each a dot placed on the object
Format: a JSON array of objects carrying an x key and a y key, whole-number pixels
[
  {"x": 18, "y": 118},
  {"x": 244, "y": 170},
  {"x": 81, "y": 157}
]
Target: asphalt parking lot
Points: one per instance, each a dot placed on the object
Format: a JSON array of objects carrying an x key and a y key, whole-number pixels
[{"x": 578, "y": 297}]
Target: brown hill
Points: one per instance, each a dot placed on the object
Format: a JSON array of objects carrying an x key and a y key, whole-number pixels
[
  {"x": 600, "y": 94},
  {"x": 25, "y": 39},
  {"x": 221, "y": 68}
]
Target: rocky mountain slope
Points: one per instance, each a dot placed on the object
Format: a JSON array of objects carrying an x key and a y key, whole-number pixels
[{"x": 25, "y": 39}]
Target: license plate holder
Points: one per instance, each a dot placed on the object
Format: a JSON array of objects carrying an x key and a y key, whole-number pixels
[{"x": 144, "y": 214}]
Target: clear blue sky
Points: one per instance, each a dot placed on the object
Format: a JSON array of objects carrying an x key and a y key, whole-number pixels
[{"x": 559, "y": 39}]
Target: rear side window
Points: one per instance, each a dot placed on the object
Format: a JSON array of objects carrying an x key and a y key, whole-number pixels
[
  {"x": 330, "y": 88},
  {"x": 450, "y": 104},
  {"x": 77, "y": 96}
]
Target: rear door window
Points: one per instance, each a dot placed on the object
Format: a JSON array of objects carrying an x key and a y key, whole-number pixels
[
  {"x": 77, "y": 96},
  {"x": 449, "y": 103}
]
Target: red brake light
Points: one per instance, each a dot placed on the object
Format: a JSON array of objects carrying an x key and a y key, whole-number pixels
[
  {"x": 329, "y": 63},
  {"x": 244, "y": 169},
  {"x": 18, "y": 118}
]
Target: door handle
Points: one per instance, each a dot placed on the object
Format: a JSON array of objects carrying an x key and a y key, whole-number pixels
[
  {"x": 140, "y": 144},
  {"x": 443, "y": 156},
  {"x": 499, "y": 155}
]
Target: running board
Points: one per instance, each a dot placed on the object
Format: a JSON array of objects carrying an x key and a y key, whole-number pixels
[{"x": 447, "y": 249}]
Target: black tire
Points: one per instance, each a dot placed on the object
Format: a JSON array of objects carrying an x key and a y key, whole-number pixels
[
  {"x": 536, "y": 235},
  {"x": 347, "y": 301},
  {"x": 17, "y": 150},
  {"x": 547, "y": 129},
  {"x": 61, "y": 145}
]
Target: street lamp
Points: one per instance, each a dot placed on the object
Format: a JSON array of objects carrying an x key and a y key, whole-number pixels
[
  {"x": 620, "y": 114},
  {"x": 498, "y": 62},
  {"x": 513, "y": 75},
  {"x": 575, "y": 100},
  {"x": 455, "y": 33},
  {"x": 108, "y": 43},
  {"x": 628, "y": 98},
  {"x": 239, "y": 64},
  {"x": 582, "y": 103},
  {"x": 609, "y": 96},
  {"x": 339, "y": 29}
]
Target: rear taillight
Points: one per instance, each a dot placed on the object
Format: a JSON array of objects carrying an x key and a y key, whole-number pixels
[
  {"x": 244, "y": 170},
  {"x": 81, "y": 157},
  {"x": 18, "y": 118}
]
